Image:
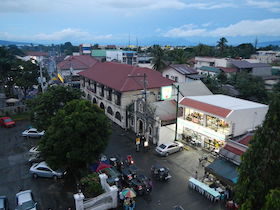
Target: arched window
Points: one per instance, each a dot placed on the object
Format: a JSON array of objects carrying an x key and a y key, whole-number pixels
[
  {"x": 89, "y": 97},
  {"x": 118, "y": 116},
  {"x": 102, "y": 106},
  {"x": 109, "y": 110},
  {"x": 94, "y": 101},
  {"x": 140, "y": 107}
]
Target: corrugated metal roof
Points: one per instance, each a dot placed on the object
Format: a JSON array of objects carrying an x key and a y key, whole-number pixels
[
  {"x": 183, "y": 69},
  {"x": 210, "y": 68},
  {"x": 98, "y": 53}
]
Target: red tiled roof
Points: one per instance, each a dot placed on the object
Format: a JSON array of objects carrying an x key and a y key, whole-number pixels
[
  {"x": 246, "y": 140},
  {"x": 117, "y": 76},
  {"x": 234, "y": 150},
  {"x": 219, "y": 111},
  {"x": 35, "y": 53},
  {"x": 77, "y": 62},
  {"x": 227, "y": 70}
]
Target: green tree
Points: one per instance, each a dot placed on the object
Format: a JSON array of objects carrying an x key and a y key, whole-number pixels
[
  {"x": 259, "y": 169},
  {"x": 203, "y": 50},
  {"x": 272, "y": 200},
  {"x": 158, "y": 58},
  {"x": 179, "y": 56},
  {"x": 78, "y": 134},
  {"x": 250, "y": 87},
  {"x": 222, "y": 44},
  {"x": 47, "y": 104}
]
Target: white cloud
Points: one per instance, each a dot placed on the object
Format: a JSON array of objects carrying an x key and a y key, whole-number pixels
[
  {"x": 65, "y": 34},
  {"x": 185, "y": 31},
  {"x": 268, "y": 27},
  {"x": 273, "y": 6},
  {"x": 70, "y": 5}
]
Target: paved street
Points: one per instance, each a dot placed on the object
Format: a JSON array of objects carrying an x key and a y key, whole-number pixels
[
  {"x": 165, "y": 195},
  {"x": 14, "y": 173}
]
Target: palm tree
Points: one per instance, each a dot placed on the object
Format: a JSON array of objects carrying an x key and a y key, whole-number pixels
[
  {"x": 180, "y": 56},
  {"x": 158, "y": 58},
  {"x": 222, "y": 45}
]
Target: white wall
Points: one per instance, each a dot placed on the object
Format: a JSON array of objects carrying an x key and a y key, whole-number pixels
[
  {"x": 166, "y": 134},
  {"x": 114, "y": 55},
  {"x": 171, "y": 72},
  {"x": 222, "y": 62},
  {"x": 247, "y": 119},
  {"x": 262, "y": 71}
]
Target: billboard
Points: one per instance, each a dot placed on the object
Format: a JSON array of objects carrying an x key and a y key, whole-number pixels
[{"x": 165, "y": 92}]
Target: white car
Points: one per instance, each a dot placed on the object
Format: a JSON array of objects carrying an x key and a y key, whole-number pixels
[
  {"x": 34, "y": 151},
  {"x": 25, "y": 201},
  {"x": 169, "y": 148},
  {"x": 33, "y": 133},
  {"x": 43, "y": 170}
]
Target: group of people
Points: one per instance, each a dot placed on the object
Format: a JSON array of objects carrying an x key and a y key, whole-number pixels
[
  {"x": 128, "y": 203},
  {"x": 141, "y": 141}
]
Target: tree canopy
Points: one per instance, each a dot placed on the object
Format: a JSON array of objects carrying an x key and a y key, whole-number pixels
[
  {"x": 47, "y": 104},
  {"x": 78, "y": 134},
  {"x": 158, "y": 58},
  {"x": 259, "y": 169}
]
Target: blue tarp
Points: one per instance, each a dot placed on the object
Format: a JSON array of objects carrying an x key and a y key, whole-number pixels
[{"x": 223, "y": 169}]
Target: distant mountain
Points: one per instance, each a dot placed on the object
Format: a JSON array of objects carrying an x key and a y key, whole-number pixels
[
  {"x": 5, "y": 43},
  {"x": 264, "y": 44}
]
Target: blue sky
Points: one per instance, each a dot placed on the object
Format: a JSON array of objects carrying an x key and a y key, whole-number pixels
[{"x": 176, "y": 22}]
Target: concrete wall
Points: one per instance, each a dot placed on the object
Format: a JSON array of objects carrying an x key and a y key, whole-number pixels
[
  {"x": 166, "y": 134},
  {"x": 172, "y": 74},
  {"x": 221, "y": 62},
  {"x": 247, "y": 119},
  {"x": 262, "y": 71}
]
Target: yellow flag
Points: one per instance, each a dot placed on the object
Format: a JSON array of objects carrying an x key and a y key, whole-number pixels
[{"x": 60, "y": 78}]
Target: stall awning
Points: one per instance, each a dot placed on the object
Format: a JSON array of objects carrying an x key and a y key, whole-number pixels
[{"x": 223, "y": 170}]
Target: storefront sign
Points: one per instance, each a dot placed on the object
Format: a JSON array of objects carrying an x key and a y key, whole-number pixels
[
  {"x": 166, "y": 92},
  {"x": 203, "y": 130}
]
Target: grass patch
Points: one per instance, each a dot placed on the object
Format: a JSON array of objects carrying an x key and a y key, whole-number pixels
[{"x": 21, "y": 116}]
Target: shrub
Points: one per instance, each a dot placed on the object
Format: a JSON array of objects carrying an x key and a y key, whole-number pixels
[{"x": 91, "y": 185}]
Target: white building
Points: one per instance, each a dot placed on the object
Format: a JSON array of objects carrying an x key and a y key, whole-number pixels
[
  {"x": 267, "y": 56},
  {"x": 85, "y": 49},
  {"x": 126, "y": 57},
  {"x": 211, "y": 120},
  {"x": 180, "y": 73},
  {"x": 118, "y": 89}
]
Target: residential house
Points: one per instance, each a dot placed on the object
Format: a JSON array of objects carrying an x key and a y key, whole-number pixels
[
  {"x": 266, "y": 56},
  {"x": 126, "y": 57},
  {"x": 208, "y": 71},
  {"x": 256, "y": 69},
  {"x": 119, "y": 90},
  {"x": 72, "y": 65},
  {"x": 180, "y": 73}
]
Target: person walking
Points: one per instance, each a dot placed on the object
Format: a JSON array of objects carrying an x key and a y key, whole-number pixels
[
  {"x": 131, "y": 204},
  {"x": 150, "y": 184},
  {"x": 126, "y": 204},
  {"x": 121, "y": 197}
]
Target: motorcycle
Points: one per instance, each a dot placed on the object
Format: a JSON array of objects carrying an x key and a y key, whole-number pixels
[{"x": 160, "y": 172}]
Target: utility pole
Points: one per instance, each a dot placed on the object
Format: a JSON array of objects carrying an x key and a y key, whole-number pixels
[
  {"x": 41, "y": 77},
  {"x": 177, "y": 109}
]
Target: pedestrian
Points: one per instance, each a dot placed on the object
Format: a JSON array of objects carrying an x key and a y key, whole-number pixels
[
  {"x": 121, "y": 197},
  {"x": 126, "y": 204},
  {"x": 131, "y": 204},
  {"x": 150, "y": 184},
  {"x": 195, "y": 174},
  {"x": 137, "y": 142}
]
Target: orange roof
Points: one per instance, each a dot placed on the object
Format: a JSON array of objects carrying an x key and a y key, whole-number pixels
[{"x": 215, "y": 110}]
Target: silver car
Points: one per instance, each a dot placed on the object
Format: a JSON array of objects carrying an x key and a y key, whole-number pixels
[
  {"x": 25, "y": 201},
  {"x": 169, "y": 148},
  {"x": 43, "y": 170},
  {"x": 33, "y": 133}
]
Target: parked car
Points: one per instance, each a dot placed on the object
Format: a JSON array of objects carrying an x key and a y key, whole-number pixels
[
  {"x": 33, "y": 133},
  {"x": 7, "y": 122},
  {"x": 34, "y": 151},
  {"x": 35, "y": 158},
  {"x": 169, "y": 148},
  {"x": 43, "y": 170},
  {"x": 3, "y": 203},
  {"x": 25, "y": 201}
]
